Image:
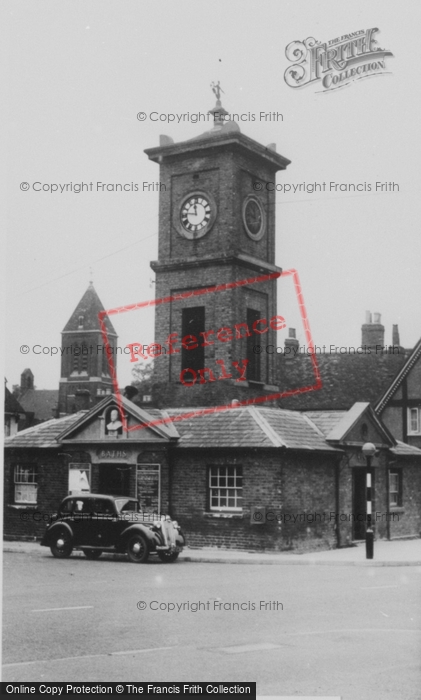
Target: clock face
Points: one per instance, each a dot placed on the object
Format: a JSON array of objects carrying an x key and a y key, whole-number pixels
[
  {"x": 254, "y": 218},
  {"x": 195, "y": 213}
]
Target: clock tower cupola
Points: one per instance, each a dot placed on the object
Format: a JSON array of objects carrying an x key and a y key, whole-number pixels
[{"x": 216, "y": 230}]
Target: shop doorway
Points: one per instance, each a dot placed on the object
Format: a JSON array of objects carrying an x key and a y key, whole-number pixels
[{"x": 114, "y": 479}]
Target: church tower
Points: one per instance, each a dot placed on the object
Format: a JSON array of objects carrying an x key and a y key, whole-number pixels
[
  {"x": 85, "y": 373},
  {"x": 216, "y": 227}
]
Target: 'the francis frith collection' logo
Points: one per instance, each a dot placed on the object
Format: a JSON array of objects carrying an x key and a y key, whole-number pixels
[{"x": 335, "y": 63}]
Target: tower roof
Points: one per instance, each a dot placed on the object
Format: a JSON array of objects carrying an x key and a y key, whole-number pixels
[
  {"x": 224, "y": 133},
  {"x": 89, "y": 307}
]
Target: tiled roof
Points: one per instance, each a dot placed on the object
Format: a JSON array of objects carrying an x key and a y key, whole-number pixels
[
  {"x": 336, "y": 424},
  {"x": 404, "y": 450},
  {"x": 248, "y": 427},
  {"x": 40, "y": 402},
  {"x": 325, "y": 420},
  {"x": 11, "y": 404},
  {"x": 346, "y": 379},
  {"x": 44, "y": 434},
  {"x": 347, "y": 421},
  {"x": 89, "y": 307},
  {"x": 51, "y": 432}
]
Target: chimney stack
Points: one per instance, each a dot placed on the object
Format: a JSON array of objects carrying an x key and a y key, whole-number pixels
[
  {"x": 395, "y": 336},
  {"x": 372, "y": 332},
  {"x": 291, "y": 344}
]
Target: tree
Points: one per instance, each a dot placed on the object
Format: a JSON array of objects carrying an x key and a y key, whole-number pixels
[{"x": 142, "y": 378}]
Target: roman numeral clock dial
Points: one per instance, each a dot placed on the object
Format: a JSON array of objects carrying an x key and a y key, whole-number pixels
[{"x": 197, "y": 214}]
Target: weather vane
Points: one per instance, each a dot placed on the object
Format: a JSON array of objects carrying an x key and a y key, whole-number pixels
[{"x": 216, "y": 89}]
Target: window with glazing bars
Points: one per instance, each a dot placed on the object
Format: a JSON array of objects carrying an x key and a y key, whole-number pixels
[
  {"x": 226, "y": 488},
  {"x": 26, "y": 483}
]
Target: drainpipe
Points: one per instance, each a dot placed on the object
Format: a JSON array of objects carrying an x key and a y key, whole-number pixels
[
  {"x": 388, "y": 464},
  {"x": 337, "y": 493}
]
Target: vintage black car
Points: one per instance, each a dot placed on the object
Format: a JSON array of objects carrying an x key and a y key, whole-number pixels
[{"x": 95, "y": 523}]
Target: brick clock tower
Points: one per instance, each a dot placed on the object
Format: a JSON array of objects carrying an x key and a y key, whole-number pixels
[
  {"x": 216, "y": 226},
  {"x": 85, "y": 373}
]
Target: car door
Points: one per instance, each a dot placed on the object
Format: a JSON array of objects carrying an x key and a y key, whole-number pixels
[
  {"x": 81, "y": 520},
  {"x": 104, "y": 523}
]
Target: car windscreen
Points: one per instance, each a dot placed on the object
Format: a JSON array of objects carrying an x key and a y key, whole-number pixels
[{"x": 126, "y": 504}]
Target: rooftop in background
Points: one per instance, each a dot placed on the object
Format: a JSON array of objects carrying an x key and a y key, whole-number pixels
[
  {"x": 346, "y": 379},
  {"x": 12, "y": 405},
  {"x": 85, "y": 315},
  {"x": 40, "y": 402},
  {"x": 361, "y": 373}
]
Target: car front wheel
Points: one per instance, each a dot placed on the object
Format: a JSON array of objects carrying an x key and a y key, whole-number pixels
[
  {"x": 137, "y": 549},
  {"x": 62, "y": 546},
  {"x": 92, "y": 553},
  {"x": 167, "y": 557}
]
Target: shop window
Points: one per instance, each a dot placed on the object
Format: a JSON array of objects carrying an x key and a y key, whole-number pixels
[
  {"x": 226, "y": 488},
  {"x": 26, "y": 483},
  {"x": 79, "y": 478},
  {"x": 395, "y": 488}
]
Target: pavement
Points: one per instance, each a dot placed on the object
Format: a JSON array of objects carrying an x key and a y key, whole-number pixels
[{"x": 386, "y": 553}]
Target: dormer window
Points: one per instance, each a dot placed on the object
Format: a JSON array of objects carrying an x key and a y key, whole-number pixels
[{"x": 80, "y": 322}]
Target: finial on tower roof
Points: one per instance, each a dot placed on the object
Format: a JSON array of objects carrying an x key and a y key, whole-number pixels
[
  {"x": 216, "y": 89},
  {"x": 218, "y": 111}
]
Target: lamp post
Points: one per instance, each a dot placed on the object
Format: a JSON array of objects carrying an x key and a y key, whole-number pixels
[{"x": 369, "y": 450}]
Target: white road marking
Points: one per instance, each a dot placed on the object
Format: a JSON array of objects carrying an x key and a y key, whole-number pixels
[
  {"x": 77, "y": 607},
  {"x": 139, "y": 651},
  {"x": 249, "y": 647},
  {"x": 88, "y": 656}
]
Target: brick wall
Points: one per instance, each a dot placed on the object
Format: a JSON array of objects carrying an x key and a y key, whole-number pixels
[
  {"x": 284, "y": 484},
  {"x": 222, "y": 309},
  {"x": 407, "y": 520},
  {"x": 229, "y": 177},
  {"x": 28, "y": 522}
]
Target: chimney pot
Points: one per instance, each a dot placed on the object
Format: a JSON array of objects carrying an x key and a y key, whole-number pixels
[
  {"x": 368, "y": 316},
  {"x": 395, "y": 335},
  {"x": 292, "y": 345},
  {"x": 372, "y": 334}
]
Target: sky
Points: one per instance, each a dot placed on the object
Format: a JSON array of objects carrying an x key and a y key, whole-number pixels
[{"x": 78, "y": 75}]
